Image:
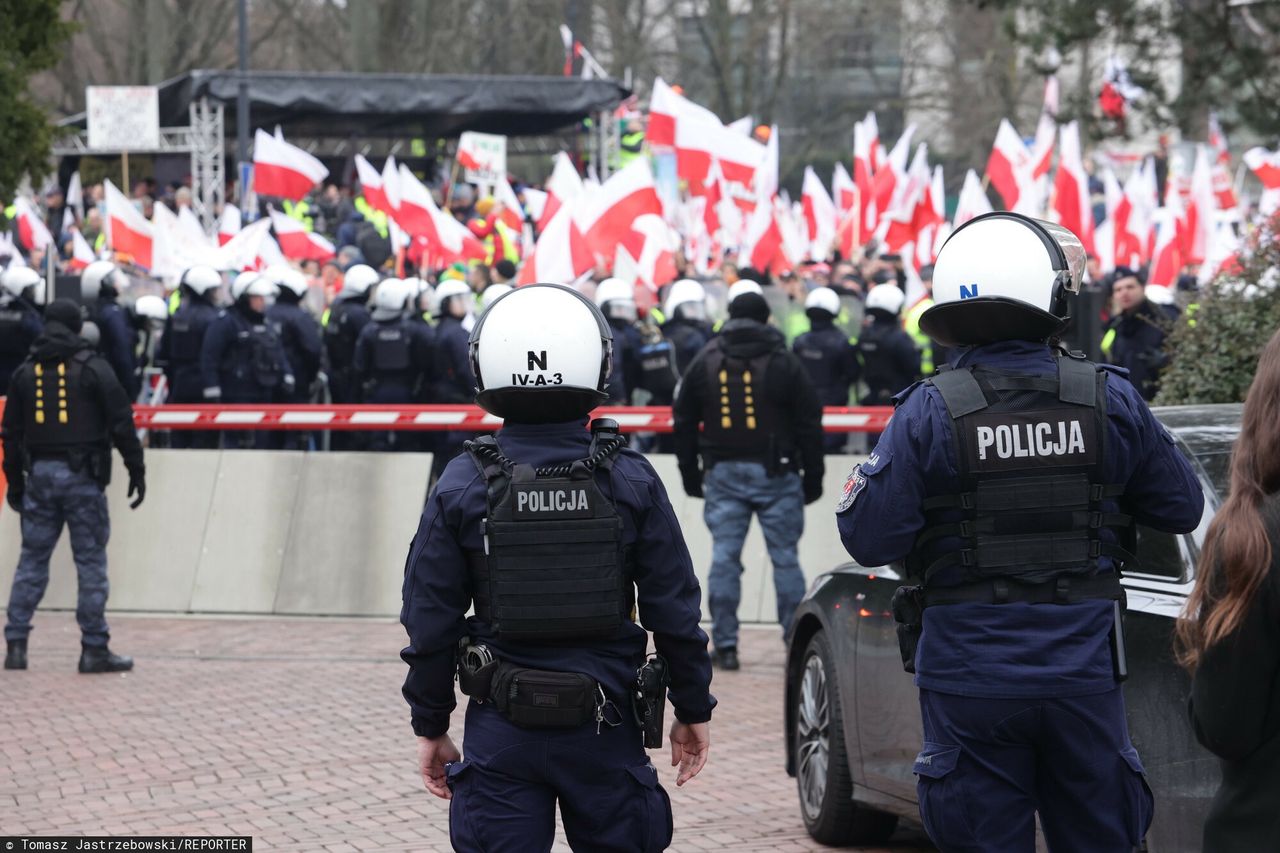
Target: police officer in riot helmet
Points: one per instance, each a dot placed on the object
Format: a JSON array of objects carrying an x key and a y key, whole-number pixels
[
  {"x": 1011, "y": 483},
  {"x": 890, "y": 360},
  {"x": 453, "y": 380},
  {"x": 21, "y": 293},
  {"x": 65, "y": 411},
  {"x": 301, "y": 336},
  {"x": 101, "y": 284},
  {"x": 343, "y": 322},
  {"x": 616, "y": 300},
  {"x": 393, "y": 356},
  {"x": 827, "y": 355},
  {"x": 178, "y": 352},
  {"x": 242, "y": 359},
  {"x": 760, "y": 445},
  {"x": 686, "y": 326},
  {"x": 560, "y": 538}
]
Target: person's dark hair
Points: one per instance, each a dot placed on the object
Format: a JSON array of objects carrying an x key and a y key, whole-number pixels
[
  {"x": 66, "y": 312},
  {"x": 1236, "y": 556},
  {"x": 753, "y": 274},
  {"x": 506, "y": 269},
  {"x": 751, "y": 306}
]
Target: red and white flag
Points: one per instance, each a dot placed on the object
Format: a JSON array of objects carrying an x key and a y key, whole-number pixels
[
  {"x": 871, "y": 130},
  {"x": 564, "y": 186},
  {"x": 561, "y": 254},
  {"x": 1166, "y": 258},
  {"x": 762, "y": 241},
  {"x": 820, "y": 215},
  {"x": 865, "y": 146},
  {"x": 699, "y": 142},
  {"x": 81, "y": 254},
  {"x": 764, "y": 181},
  {"x": 510, "y": 211},
  {"x": 1200, "y": 210},
  {"x": 297, "y": 243},
  {"x": 31, "y": 228},
  {"x": 912, "y": 209},
  {"x": 1046, "y": 130},
  {"x": 1218, "y": 140},
  {"x": 373, "y": 186},
  {"x": 666, "y": 110},
  {"x": 652, "y": 245},
  {"x": 1071, "y": 188},
  {"x": 1135, "y": 216},
  {"x": 608, "y": 213},
  {"x": 1266, "y": 165},
  {"x": 228, "y": 223},
  {"x": 973, "y": 200},
  {"x": 128, "y": 231},
  {"x": 284, "y": 170},
  {"x": 1107, "y": 235},
  {"x": 447, "y": 239},
  {"x": 75, "y": 194},
  {"x": 416, "y": 204},
  {"x": 885, "y": 187},
  {"x": 1009, "y": 168},
  {"x": 843, "y": 191},
  {"x": 713, "y": 195}
]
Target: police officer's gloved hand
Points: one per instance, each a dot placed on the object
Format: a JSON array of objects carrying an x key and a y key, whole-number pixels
[
  {"x": 15, "y": 500},
  {"x": 812, "y": 490},
  {"x": 290, "y": 384},
  {"x": 692, "y": 478},
  {"x": 138, "y": 485}
]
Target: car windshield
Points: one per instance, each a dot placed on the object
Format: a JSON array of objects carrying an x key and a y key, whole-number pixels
[{"x": 1218, "y": 467}]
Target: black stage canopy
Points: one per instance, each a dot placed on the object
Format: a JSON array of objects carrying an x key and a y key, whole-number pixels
[{"x": 332, "y": 105}]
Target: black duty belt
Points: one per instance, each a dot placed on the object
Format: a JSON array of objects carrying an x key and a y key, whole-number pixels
[
  {"x": 534, "y": 698},
  {"x": 1064, "y": 589}
]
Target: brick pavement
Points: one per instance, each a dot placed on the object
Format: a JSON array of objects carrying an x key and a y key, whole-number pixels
[{"x": 293, "y": 731}]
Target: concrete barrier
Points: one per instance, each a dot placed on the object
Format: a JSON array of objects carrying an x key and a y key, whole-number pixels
[{"x": 288, "y": 532}]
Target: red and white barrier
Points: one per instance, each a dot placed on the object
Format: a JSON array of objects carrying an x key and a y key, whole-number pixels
[{"x": 427, "y": 418}]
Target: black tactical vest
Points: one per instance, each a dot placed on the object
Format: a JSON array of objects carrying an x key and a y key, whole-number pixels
[
  {"x": 62, "y": 413},
  {"x": 340, "y": 335},
  {"x": 1031, "y": 451},
  {"x": 391, "y": 343},
  {"x": 738, "y": 421},
  {"x": 554, "y": 568},
  {"x": 13, "y": 337}
]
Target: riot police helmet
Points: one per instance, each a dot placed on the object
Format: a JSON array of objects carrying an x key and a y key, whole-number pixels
[
  {"x": 391, "y": 298},
  {"x": 200, "y": 279},
  {"x": 151, "y": 307},
  {"x": 1004, "y": 276},
  {"x": 541, "y": 354},
  {"x": 886, "y": 298},
  {"x": 287, "y": 279},
  {"x": 822, "y": 299},
  {"x": 357, "y": 280},
  {"x": 250, "y": 283},
  {"x": 16, "y": 280},
  {"x": 616, "y": 299},
  {"x": 687, "y": 300},
  {"x": 447, "y": 292},
  {"x": 492, "y": 294},
  {"x": 101, "y": 277},
  {"x": 741, "y": 286}
]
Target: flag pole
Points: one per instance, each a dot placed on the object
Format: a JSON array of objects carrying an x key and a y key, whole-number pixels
[
  {"x": 124, "y": 171},
  {"x": 453, "y": 179}
]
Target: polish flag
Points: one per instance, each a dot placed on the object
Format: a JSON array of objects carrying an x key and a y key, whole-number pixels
[
  {"x": 700, "y": 142},
  {"x": 1071, "y": 188},
  {"x": 561, "y": 254},
  {"x": 1218, "y": 140},
  {"x": 712, "y": 196},
  {"x": 448, "y": 239},
  {"x": 885, "y": 186},
  {"x": 1223, "y": 188},
  {"x": 764, "y": 182},
  {"x": 128, "y": 231},
  {"x": 932, "y": 219},
  {"x": 297, "y": 242},
  {"x": 762, "y": 243},
  {"x": 284, "y": 170},
  {"x": 652, "y": 244},
  {"x": 1046, "y": 130},
  {"x": 535, "y": 202},
  {"x": 228, "y": 223},
  {"x": 1166, "y": 259},
  {"x": 912, "y": 209},
  {"x": 243, "y": 250},
  {"x": 564, "y": 186},
  {"x": 1223, "y": 254},
  {"x": 843, "y": 190},
  {"x": 820, "y": 216},
  {"x": 68, "y": 219},
  {"x": 1200, "y": 210},
  {"x": 875, "y": 151},
  {"x": 75, "y": 194},
  {"x": 510, "y": 211},
  {"x": 391, "y": 185},
  {"x": 1266, "y": 165},
  {"x": 1107, "y": 235},
  {"x": 609, "y": 212},
  {"x": 973, "y": 200},
  {"x": 1134, "y": 216},
  {"x": 81, "y": 254},
  {"x": 31, "y": 228},
  {"x": 372, "y": 186},
  {"x": 416, "y": 205},
  {"x": 667, "y": 110},
  {"x": 191, "y": 227},
  {"x": 1009, "y": 166},
  {"x": 865, "y": 146}
]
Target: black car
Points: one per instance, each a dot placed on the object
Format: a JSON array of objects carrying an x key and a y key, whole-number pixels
[{"x": 853, "y": 715}]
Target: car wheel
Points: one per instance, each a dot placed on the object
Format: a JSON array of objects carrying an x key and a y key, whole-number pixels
[{"x": 822, "y": 764}]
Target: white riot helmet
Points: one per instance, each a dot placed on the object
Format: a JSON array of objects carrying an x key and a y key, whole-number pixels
[
  {"x": 824, "y": 299},
  {"x": 616, "y": 299},
  {"x": 492, "y": 294},
  {"x": 250, "y": 283},
  {"x": 200, "y": 279},
  {"x": 741, "y": 286},
  {"x": 151, "y": 307},
  {"x": 16, "y": 280},
  {"x": 447, "y": 290},
  {"x": 888, "y": 298},
  {"x": 287, "y": 278},
  {"x": 358, "y": 279},
  {"x": 98, "y": 277},
  {"x": 391, "y": 298},
  {"x": 541, "y": 354},
  {"x": 422, "y": 298},
  {"x": 686, "y": 301},
  {"x": 1003, "y": 276}
]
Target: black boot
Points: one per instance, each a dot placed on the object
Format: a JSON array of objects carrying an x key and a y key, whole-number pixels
[
  {"x": 100, "y": 659},
  {"x": 726, "y": 658},
  {"x": 16, "y": 657}
]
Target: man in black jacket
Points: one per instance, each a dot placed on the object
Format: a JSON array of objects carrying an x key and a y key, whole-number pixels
[
  {"x": 1136, "y": 335},
  {"x": 761, "y": 449},
  {"x": 65, "y": 410}
]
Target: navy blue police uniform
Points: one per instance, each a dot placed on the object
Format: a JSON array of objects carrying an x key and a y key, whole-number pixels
[
  {"x": 504, "y": 792},
  {"x": 1020, "y": 700},
  {"x": 20, "y": 325},
  {"x": 832, "y": 364},
  {"x": 454, "y": 382},
  {"x": 393, "y": 360},
  {"x": 178, "y": 354},
  {"x": 626, "y": 375},
  {"x": 118, "y": 341},
  {"x": 300, "y": 337},
  {"x": 243, "y": 361}
]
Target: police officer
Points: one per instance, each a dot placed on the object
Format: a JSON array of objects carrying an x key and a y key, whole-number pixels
[
  {"x": 546, "y": 506},
  {"x": 827, "y": 355},
  {"x": 393, "y": 356},
  {"x": 178, "y": 352},
  {"x": 65, "y": 410},
  {"x": 761, "y": 449},
  {"x": 616, "y": 300},
  {"x": 300, "y": 335},
  {"x": 453, "y": 381},
  {"x": 686, "y": 325},
  {"x": 242, "y": 359},
  {"x": 343, "y": 322},
  {"x": 21, "y": 292},
  {"x": 890, "y": 360},
  {"x": 100, "y": 286},
  {"x": 1010, "y": 483}
]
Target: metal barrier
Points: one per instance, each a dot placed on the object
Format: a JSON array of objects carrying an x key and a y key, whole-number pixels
[{"x": 423, "y": 418}]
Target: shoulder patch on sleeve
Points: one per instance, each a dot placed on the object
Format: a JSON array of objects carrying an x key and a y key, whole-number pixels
[{"x": 857, "y": 481}]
